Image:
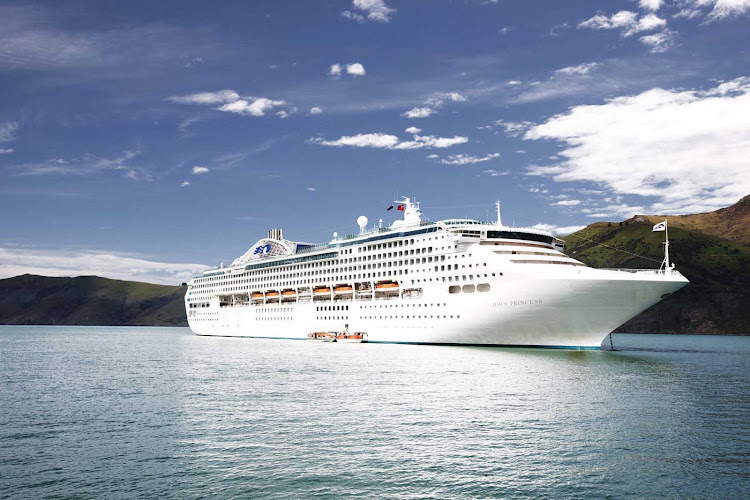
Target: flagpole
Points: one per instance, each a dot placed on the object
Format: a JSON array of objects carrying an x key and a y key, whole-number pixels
[{"x": 666, "y": 245}]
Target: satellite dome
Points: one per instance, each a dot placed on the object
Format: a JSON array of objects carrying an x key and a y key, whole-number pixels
[{"x": 362, "y": 221}]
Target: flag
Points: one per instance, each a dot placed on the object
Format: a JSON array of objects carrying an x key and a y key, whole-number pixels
[
  {"x": 401, "y": 208},
  {"x": 390, "y": 208},
  {"x": 662, "y": 226}
]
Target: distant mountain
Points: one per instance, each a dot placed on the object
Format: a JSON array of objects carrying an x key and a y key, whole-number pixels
[
  {"x": 89, "y": 300},
  {"x": 717, "y": 300}
]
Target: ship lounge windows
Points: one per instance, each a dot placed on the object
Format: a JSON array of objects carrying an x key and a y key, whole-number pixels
[
  {"x": 453, "y": 289},
  {"x": 468, "y": 289}
]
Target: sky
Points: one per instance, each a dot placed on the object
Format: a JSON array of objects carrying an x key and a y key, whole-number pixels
[{"x": 153, "y": 140}]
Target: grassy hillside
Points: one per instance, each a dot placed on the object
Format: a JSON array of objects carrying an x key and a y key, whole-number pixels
[
  {"x": 89, "y": 300},
  {"x": 732, "y": 223},
  {"x": 716, "y": 301}
]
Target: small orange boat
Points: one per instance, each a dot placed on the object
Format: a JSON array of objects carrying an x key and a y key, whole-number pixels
[
  {"x": 272, "y": 294},
  {"x": 352, "y": 338},
  {"x": 289, "y": 293},
  {"x": 386, "y": 286},
  {"x": 322, "y": 291},
  {"x": 257, "y": 295},
  {"x": 322, "y": 336},
  {"x": 343, "y": 289}
]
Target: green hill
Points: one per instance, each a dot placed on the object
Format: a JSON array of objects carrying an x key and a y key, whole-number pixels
[
  {"x": 89, "y": 300},
  {"x": 717, "y": 300}
]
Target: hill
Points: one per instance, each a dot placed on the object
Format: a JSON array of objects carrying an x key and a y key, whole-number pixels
[
  {"x": 717, "y": 300},
  {"x": 732, "y": 223},
  {"x": 89, "y": 300}
]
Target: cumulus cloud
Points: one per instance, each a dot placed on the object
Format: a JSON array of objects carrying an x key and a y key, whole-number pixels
[
  {"x": 353, "y": 69},
  {"x": 652, "y": 5},
  {"x": 197, "y": 170},
  {"x": 185, "y": 184},
  {"x": 432, "y": 157},
  {"x": 389, "y": 141},
  {"x": 626, "y": 21},
  {"x": 6, "y": 151},
  {"x": 727, "y": 8},
  {"x": 581, "y": 69},
  {"x": 513, "y": 82},
  {"x": 232, "y": 102},
  {"x": 419, "y": 112},
  {"x": 315, "y": 110},
  {"x": 462, "y": 159},
  {"x": 8, "y": 131},
  {"x": 369, "y": 10},
  {"x": 495, "y": 173},
  {"x": 557, "y": 230},
  {"x": 311, "y": 189},
  {"x": 687, "y": 149},
  {"x": 253, "y": 107},
  {"x": 413, "y": 130},
  {"x": 16, "y": 261}
]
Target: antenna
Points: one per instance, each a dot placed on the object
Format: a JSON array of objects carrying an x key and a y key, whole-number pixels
[{"x": 497, "y": 207}]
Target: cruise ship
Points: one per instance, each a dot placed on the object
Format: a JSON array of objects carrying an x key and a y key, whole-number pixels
[{"x": 454, "y": 281}]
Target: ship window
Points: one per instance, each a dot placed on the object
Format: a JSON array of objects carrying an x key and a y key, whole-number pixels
[
  {"x": 468, "y": 289},
  {"x": 483, "y": 287},
  {"x": 454, "y": 289}
]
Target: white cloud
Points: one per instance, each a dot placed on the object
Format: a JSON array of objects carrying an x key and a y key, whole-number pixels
[
  {"x": 462, "y": 159},
  {"x": 557, "y": 230},
  {"x": 514, "y": 129},
  {"x": 197, "y": 170},
  {"x": 495, "y": 173},
  {"x": 568, "y": 203},
  {"x": 413, "y": 130},
  {"x": 581, "y": 69},
  {"x": 419, "y": 112},
  {"x": 8, "y": 131},
  {"x": 504, "y": 30},
  {"x": 16, "y": 261},
  {"x": 315, "y": 110},
  {"x": 311, "y": 189},
  {"x": 355, "y": 69},
  {"x": 687, "y": 149},
  {"x": 628, "y": 22},
  {"x": 86, "y": 165},
  {"x": 253, "y": 107},
  {"x": 728, "y": 8},
  {"x": 282, "y": 114},
  {"x": 185, "y": 184},
  {"x": 6, "y": 151},
  {"x": 513, "y": 82},
  {"x": 652, "y": 5},
  {"x": 388, "y": 141},
  {"x": 658, "y": 42},
  {"x": 222, "y": 96},
  {"x": 369, "y": 10},
  {"x": 432, "y": 157}
]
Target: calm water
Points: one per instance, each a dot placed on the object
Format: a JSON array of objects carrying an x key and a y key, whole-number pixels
[{"x": 147, "y": 412}]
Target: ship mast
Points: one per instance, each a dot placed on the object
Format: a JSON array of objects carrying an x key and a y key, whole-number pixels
[{"x": 497, "y": 207}]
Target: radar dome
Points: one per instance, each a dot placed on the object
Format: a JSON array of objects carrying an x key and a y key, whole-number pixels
[{"x": 362, "y": 221}]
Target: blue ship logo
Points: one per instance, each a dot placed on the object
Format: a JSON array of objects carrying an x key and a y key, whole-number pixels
[{"x": 263, "y": 249}]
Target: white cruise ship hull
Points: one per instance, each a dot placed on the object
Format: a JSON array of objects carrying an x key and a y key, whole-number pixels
[{"x": 573, "y": 308}]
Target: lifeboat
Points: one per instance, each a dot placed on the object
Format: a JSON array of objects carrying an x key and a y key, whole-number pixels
[
  {"x": 322, "y": 336},
  {"x": 289, "y": 293},
  {"x": 323, "y": 290},
  {"x": 387, "y": 286},
  {"x": 352, "y": 338},
  {"x": 256, "y": 295},
  {"x": 272, "y": 294},
  {"x": 343, "y": 290}
]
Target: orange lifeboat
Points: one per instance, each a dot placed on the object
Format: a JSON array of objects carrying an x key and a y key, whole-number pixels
[
  {"x": 323, "y": 290},
  {"x": 289, "y": 293},
  {"x": 272, "y": 294},
  {"x": 256, "y": 295},
  {"x": 387, "y": 286},
  {"x": 343, "y": 289}
]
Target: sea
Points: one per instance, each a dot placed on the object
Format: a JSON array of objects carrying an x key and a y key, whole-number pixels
[{"x": 132, "y": 412}]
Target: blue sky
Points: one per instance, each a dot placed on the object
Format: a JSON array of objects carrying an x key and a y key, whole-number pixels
[{"x": 147, "y": 140}]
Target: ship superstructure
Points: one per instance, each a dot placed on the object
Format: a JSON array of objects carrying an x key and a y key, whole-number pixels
[{"x": 454, "y": 281}]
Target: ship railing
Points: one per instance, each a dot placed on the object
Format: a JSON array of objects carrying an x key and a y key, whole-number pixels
[{"x": 657, "y": 272}]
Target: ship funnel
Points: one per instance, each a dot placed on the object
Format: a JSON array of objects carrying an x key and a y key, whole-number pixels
[{"x": 276, "y": 234}]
